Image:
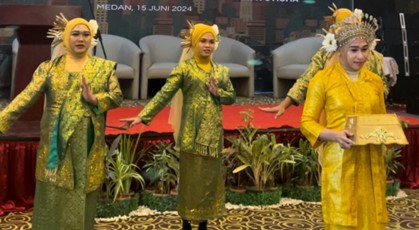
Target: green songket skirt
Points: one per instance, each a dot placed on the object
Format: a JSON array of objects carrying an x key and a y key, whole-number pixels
[
  {"x": 201, "y": 194},
  {"x": 62, "y": 209}
]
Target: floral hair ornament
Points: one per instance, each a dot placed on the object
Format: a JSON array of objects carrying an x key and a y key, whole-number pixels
[{"x": 355, "y": 25}]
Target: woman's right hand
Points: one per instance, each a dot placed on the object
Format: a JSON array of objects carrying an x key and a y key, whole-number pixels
[
  {"x": 342, "y": 137},
  {"x": 279, "y": 110},
  {"x": 130, "y": 122}
]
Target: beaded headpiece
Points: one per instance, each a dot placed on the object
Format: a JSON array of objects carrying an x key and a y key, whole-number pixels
[{"x": 355, "y": 25}]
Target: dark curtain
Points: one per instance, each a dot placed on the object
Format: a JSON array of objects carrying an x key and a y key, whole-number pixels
[
  {"x": 17, "y": 175},
  {"x": 409, "y": 176}
]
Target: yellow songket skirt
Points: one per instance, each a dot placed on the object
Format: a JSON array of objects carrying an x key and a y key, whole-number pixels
[{"x": 359, "y": 211}]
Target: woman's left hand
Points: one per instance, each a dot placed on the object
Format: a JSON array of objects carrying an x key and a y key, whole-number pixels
[{"x": 86, "y": 93}]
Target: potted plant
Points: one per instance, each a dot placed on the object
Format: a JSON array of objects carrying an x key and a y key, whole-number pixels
[
  {"x": 162, "y": 171},
  {"x": 121, "y": 171},
  {"x": 391, "y": 156},
  {"x": 233, "y": 180},
  {"x": 307, "y": 165},
  {"x": 305, "y": 176},
  {"x": 260, "y": 157}
]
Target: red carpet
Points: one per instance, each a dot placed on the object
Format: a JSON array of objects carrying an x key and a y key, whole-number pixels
[{"x": 231, "y": 119}]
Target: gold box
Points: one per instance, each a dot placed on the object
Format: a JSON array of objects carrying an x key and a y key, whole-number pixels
[{"x": 376, "y": 129}]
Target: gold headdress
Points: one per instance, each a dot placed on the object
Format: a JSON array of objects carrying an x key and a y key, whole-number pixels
[
  {"x": 56, "y": 32},
  {"x": 349, "y": 27}
]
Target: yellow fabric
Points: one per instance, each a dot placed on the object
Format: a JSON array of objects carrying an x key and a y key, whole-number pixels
[
  {"x": 203, "y": 63},
  {"x": 341, "y": 14},
  {"x": 199, "y": 30},
  {"x": 63, "y": 93},
  {"x": 175, "y": 114},
  {"x": 354, "y": 180},
  {"x": 298, "y": 91},
  {"x": 69, "y": 27}
]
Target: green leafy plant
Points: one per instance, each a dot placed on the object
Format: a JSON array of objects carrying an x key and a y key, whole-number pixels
[
  {"x": 254, "y": 198},
  {"x": 159, "y": 203},
  {"x": 391, "y": 156},
  {"x": 121, "y": 165},
  {"x": 233, "y": 180},
  {"x": 260, "y": 155},
  {"x": 309, "y": 194},
  {"x": 307, "y": 165},
  {"x": 162, "y": 169},
  {"x": 109, "y": 208}
]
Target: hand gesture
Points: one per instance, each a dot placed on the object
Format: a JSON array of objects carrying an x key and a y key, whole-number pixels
[
  {"x": 342, "y": 137},
  {"x": 86, "y": 93},
  {"x": 130, "y": 122},
  {"x": 279, "y": 110},
  {"x": 213, "y": 87}
]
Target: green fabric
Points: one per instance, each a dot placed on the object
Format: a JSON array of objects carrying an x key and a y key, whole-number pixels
[
  {"x": 53, "y": 148},
  {"x": 62, "y": 209},
  {"x": 201, "y": 194},
  {"x": 197, "y": 102}
]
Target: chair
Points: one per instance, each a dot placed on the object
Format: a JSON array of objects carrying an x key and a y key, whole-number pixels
[
  {"x": 290, "y": 61},
  {"x": 238, "y": 57},
  {"x": 127, "y": 56},
  {"x": 161, "y": 54}
]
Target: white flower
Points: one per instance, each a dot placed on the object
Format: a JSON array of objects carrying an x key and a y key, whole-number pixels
[
  {"x": 329, "y": 42},
  {"x": 217, "y": 33},
  {"x": 94, "y": 25},
  {"x": 358, "y": 14}
]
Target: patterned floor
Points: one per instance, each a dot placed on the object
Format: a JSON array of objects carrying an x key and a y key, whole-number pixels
[{"x": 403, "y": 214}]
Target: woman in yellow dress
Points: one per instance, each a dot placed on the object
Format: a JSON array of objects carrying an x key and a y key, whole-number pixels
[
  {"x": 78, "y": 90},
  {"x": 297, "y": 93},
  {"x": 353, "y": 177}
]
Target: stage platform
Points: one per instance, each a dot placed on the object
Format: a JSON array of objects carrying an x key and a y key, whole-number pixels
[{"x": 18, "y": 148}]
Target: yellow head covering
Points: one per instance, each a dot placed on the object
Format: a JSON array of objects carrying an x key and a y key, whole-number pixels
[
  {"x": 340, "y": 14},
  {"x": 199, "y": 30},
  {"x": 69, "y": 27}
]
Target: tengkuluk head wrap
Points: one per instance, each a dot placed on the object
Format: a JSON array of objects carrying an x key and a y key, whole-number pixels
[
  {"x": 199, "y": 30},
  {"x": 70, "y": 26},
  {"x": 61, "y": 32},
  {"x": 349, "y": 26},
  {"x": 340, "y": 14}
]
